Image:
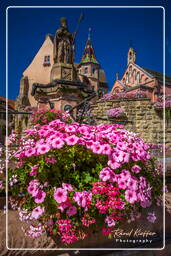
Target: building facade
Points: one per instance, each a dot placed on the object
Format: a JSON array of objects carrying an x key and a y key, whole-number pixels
[{"x": 137, "y": 78}]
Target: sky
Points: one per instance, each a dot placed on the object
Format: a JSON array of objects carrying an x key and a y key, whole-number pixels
[{"x": 114, "y": 30}]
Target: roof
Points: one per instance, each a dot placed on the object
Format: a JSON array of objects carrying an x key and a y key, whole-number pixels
[
  {"x": 158, "y": 75},
  {"x": 50, "y": 36},
  {"x": 89, "y": 54},
  {"x": 11, "y": 103}
]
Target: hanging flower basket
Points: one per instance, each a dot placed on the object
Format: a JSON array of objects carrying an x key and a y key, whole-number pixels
[{"x": 78, "y": 179}]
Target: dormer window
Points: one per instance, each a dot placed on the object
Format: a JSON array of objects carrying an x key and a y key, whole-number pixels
[{"x": 46, "y": 60}]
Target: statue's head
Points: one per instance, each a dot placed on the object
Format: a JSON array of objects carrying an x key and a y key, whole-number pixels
[{"x": 63, "y": 22}]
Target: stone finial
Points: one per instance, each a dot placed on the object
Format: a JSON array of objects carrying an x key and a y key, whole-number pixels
[{"x": 131, "y": 56}]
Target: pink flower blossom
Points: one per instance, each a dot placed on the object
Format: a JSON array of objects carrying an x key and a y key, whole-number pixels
[
  {"x": 67, "y": 187},
  {"x": 105, "y": 174},
  {"x": 136, "y": 169},
  {"x": 30, "y": 152},
  {"x": 97, "y": 148},
  {"x": 71, "y": 211},
  {"x": 113, "y": 164},
  {"x": 50, "y": 160},
  {"x": 57, "y": 143},
  {"x": 64, "y": 205},
  {"x": 106, "y": 149},
  {"x": 130, "y": 196},
  {"x": 110, "y": 221},
  {"x": 60, "y": 195},
  {"x": 37, "y": 212},
  {"x": 132, "y": 183},
  {"x": 72, "y": 140},
  {"x": 151, "y": 217},
  {"x": 42, "y": 149},
  {"x": 40, "y": 196},
  {"x": 82, "y": 198},
  {"x": 125, "y": 175}
]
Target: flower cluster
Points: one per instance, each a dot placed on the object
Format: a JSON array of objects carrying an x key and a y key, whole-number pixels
[
  {"x": 44, "y": 116},
  {"x": 163, "y": 102},
  {"x": 115, "y": 112},
  {"x": 73, "y": 176},
  {"x": 124, "y": 95}
]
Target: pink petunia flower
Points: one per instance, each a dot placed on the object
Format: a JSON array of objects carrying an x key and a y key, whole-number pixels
[
  {"x": 60, "y": 195},
  {"x": 67, "y": 187},
  {"x": 40, "y": 196},
  {"x": 106, "y": 149},
  {"x": 30, "y": 152},
  {"x": 151, "y": 217},
  {"x": 72, "y": 140},
  {"x": 132, "y": 183},
  {"x": 43, "y": 149},
  {"x": 37, "y": 212},
  {"x": 122, "y": 184},
  {"x": 71, "y": 211},
  {"x": 64, "y": 205},
  {"x": 136, "y": 169},
  {"x": 113, "y": 164},
  {"x": 110, "y": 221},
  {"x": 130, "y": 196},
  {"x": 105, "y": 174},
  {"x": 58, "y": 143}
]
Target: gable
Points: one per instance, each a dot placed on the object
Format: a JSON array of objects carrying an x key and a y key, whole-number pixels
[
  {"x": 135, "y": 75},
  {"x": 37, "y": 71}
]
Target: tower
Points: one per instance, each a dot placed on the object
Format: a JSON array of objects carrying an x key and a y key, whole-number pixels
[
  {"x": 89, "y": 66},
  {"x": 131, "y": 56}
]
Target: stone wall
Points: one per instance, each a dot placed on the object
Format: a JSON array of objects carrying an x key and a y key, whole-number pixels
[{"x": 141, "y": 118}]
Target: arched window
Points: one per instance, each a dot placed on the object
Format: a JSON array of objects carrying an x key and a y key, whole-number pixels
[
  {"x": 134, "y": 75},
  {"x": 138, "y": 78}
]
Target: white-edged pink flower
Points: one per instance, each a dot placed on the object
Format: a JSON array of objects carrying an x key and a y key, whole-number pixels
[
  {"x": 43, "y": 149},
  {"x": 57, "y": 143},
  {"x": 72, "y": 140},
  {"x": 37, "y": 212},
  {"x": 30, "y": 152}
]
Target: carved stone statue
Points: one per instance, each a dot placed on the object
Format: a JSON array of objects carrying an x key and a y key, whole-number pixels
[{"x": 63, "y": 44}]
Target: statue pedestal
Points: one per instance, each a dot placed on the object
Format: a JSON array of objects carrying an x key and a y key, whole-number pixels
[{"x": 63, "y": 71}]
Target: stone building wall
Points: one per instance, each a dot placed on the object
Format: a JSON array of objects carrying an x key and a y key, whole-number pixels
[{"x": 141, "y": 118}]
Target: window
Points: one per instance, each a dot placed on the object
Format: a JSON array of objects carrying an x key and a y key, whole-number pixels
[
  {"x": 86, "y": 70},
  {"x": 46, "y": 60},
  {"x": 93, "y": 70},
  {"x": 138, "y": 78},
  {"x": 67, "y": 107}
]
